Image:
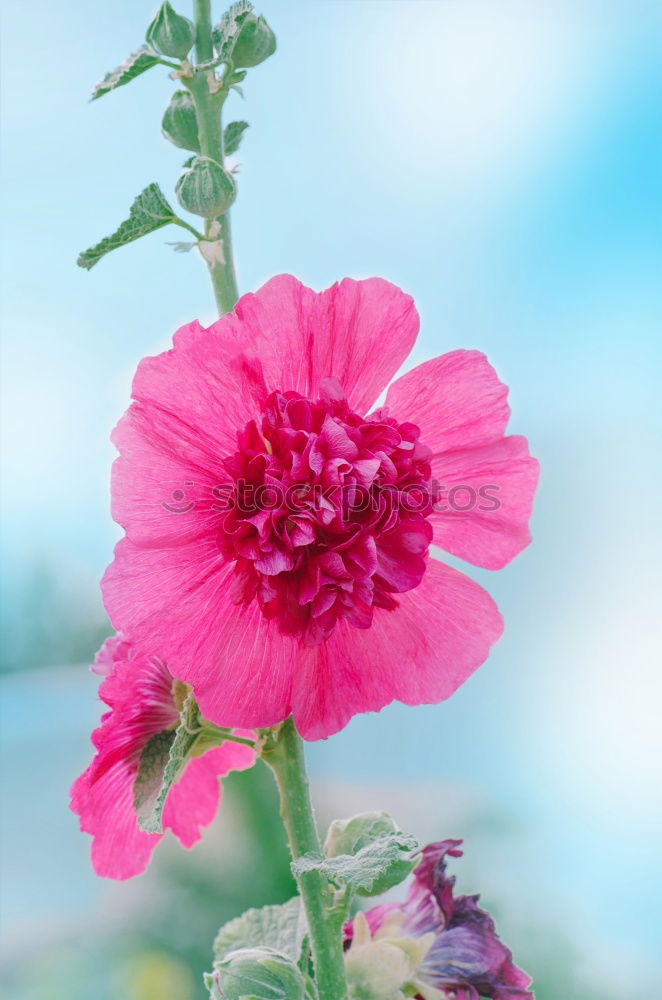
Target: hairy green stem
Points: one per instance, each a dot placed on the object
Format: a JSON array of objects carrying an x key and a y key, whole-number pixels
[
  {"x": 208, "y": 107},
  {"x": 286, "y": 759}
]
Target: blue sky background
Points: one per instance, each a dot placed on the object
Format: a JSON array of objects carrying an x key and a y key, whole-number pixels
[{"x": 502, "y": 163}]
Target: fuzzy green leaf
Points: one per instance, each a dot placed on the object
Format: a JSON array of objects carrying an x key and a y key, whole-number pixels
[
  {"x": 232, "y": 136},
  {"x": 149, "y": 810},
  {"x": 227, "y": 29},
  {"x": 381, "y": 864},
  {"x": 153, "y": 761},
  {"x": 282, "y": 928},
  {"x": 135, "y": 64},
  {"x": 149, "y": 212}
]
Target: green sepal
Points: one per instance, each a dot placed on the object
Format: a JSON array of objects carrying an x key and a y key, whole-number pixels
[
  {"x": 232, "y": 136},
  {"x": 259, "y": 973},
  {"x": 255, "y": 42},
  {"x": 347, "y": 836},
  {"x": 205, "y": 188},
  {"x": 281, "y": 927},
  {"x": 381, "y": 864},
  {"x": 150, "y": 211},
  {"x": 135, "y": 64},
  {"x": 179, "y": 123},
  {"x": 170, "y": 32}
]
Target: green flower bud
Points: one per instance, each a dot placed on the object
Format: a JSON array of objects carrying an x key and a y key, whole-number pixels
[
  {"x": 257, "y": 974},
  {"x": 254, "y": 43},
  {"x": 170, "y": 33},
  {"x": 205, "y": 188},
  {"x": 179, "y": 123},
  {"x": 347, "y": 836}
]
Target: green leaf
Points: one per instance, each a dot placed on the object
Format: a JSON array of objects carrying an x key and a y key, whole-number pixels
[
  {"x": 153, "y": 761},
  {"x": 135, "y": 64},
  {"x": 232, "y": 136},
  {"x": 149, "y": 810},
  {"x": 149, "y": 212},
  {"x": 282, "y": 928},
  {"x": 227, "y": 29},
  {"x": 381, "y": 864}
]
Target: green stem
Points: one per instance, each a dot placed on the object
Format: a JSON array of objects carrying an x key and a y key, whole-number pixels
[
  {"x": 185, "y": 225},
  {"x": 286, "y": 759},
  {"x": 210, "y": 133}
]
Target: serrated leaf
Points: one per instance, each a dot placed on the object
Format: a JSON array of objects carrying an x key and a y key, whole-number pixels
[
  {"x": 232, "y": 136},
  {"x": 149, "y": 212},
  {"x": 381, "y": 864},
  {"x": 227, "y": 29},
  {"x": 135, "y": 64},
  {"x": 149, "y": 812},
  {"x": 281, "y": 927}
]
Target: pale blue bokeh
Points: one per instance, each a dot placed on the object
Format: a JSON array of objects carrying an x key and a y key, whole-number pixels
[{"x": 501, "y": 163}]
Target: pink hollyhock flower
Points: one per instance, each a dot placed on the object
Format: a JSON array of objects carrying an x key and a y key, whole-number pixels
[
  {"x": 143, "y": 701},
  {"x": 462, "y": 956},
  {"x": 277, "y": 533}
]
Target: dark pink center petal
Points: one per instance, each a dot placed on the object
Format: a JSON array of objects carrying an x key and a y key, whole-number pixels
[{"x": 326, "y": 514}]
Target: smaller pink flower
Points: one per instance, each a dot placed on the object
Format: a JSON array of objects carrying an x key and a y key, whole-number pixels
[{"x": 143, "y": 700}]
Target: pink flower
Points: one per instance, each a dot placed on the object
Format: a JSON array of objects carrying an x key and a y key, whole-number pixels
[
  {"x": 141, "y": 695},
  {"x": 464, "y": 956},
  {"x": 277, "y": 537}
]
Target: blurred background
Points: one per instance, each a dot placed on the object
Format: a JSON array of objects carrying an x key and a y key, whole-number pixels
[{"x": 502, "y": 162}]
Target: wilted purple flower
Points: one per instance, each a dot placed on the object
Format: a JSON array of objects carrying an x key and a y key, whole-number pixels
[{"x": 465, "y": 959}]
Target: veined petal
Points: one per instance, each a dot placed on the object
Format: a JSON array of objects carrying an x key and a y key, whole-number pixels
[
  {"x": 358, "y": 332},
  {"x": 486, "y": 501},
  {"x": 457, "y": 400},
  {"x": 419, "y": 653}
]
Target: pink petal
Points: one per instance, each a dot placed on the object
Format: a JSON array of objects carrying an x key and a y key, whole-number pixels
[
  {"x": 138, "y": 692},
  {"x": 180, "y": 600},
  {"x": 457, "y": 400},
  {"x": 358, "y": 332},
  {"x": 189, "y": 404},
  {"x": 119, "y": 849},
  {"x": 419, "y": 653},
  {"x": 500, "y": 473}
]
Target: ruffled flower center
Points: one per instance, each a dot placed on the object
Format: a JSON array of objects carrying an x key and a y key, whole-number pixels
[{"x": 326, "y": 513}]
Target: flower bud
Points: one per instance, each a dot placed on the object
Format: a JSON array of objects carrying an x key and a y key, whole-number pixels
[
  {"x": 347, "y": 836},
  {"x": 170, "y": 33},
  {"x": 179, "y": 123},
  {"x": 254, "y": 43},
  {"x": 205, "y": 188},
  {"x": 257, "y": 974}
]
